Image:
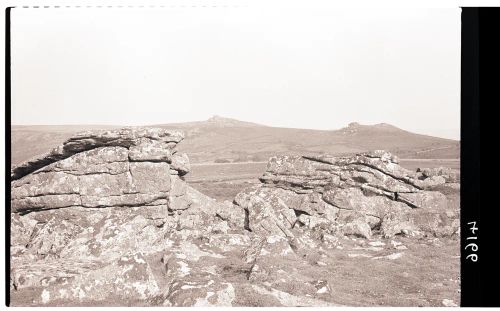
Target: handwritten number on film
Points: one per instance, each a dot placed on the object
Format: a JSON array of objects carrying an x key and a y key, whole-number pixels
[{"x": 472, "y": 247}]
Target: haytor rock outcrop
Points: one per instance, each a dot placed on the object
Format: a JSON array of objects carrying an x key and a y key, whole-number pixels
[{"x": 360, "y": 195}]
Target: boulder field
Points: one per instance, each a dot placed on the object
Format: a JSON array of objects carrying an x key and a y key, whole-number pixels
[{"x": 107, "y": 219}]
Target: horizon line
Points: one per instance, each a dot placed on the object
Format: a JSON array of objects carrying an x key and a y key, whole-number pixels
[{"x": 418, "y": 132}]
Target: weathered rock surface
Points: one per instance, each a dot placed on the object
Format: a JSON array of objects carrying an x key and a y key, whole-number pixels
[
  {"x": 135, "y": 138},
  {"x": 92, "y": 219},
  {"x": 106, "y": 219},
  {"x": 449, "y": 175},
  {"x": 128, "y": 167},
  {"x": 356, "y": 195}
]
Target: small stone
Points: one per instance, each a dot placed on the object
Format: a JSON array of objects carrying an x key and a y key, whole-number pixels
[{"x": 357, "y": 228}]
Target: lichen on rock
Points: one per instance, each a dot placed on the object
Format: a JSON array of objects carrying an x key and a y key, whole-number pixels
[
  {"x": 127, "y": 167},
  {"x": 92, "y": 219},
  {"x": 357, "y": 195},
  {"x": 108, "y": 219}
]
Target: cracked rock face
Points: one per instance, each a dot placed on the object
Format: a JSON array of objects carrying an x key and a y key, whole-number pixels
[
  {"x": 93, "y": 219},
  {"x": 357, "y": 195},
  {"x": 129, "y": 167}
]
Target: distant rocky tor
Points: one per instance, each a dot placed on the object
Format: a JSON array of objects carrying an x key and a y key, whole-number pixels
[{"x": 107, "y": 219}]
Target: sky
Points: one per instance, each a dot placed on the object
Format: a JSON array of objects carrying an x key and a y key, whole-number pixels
[{"x": 303, "y": 68}]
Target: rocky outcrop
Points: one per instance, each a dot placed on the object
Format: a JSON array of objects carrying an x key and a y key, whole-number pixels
[
  {"x": 144, "y": 143},
  {"x": 128, "y": 167},
  {"x": 92, "y": 220},
  {"x": 356, "y": 195},
  {"x": 439, "y": 178},
  {"x": 106, "y": 219},
  {"x": 449, "y": 175}
]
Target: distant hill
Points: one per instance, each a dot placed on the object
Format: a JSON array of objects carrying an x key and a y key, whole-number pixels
[
  {"x": 229, "y": 140},
  {"x": 215, "y": 121}
]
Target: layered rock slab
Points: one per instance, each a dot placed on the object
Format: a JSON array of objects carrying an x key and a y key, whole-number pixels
[
  {"x": 357, "y": 195},
  {"x": 135, "y": 138},
  {"x": 127, "y": 167},
  {"x": 94, "y": 220}
]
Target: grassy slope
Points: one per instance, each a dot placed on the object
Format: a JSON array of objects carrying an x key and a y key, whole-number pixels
[{"x": 229, "y": 139}]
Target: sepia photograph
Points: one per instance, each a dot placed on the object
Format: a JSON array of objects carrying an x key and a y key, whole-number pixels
[{"x": 235, "y": 154}]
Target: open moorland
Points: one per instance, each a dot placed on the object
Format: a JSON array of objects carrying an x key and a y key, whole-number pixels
[
  {"x": 58, "y": 253},
  {"x": 226, "y": 140}
]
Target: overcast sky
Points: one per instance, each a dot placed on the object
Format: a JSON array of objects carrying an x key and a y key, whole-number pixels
[{"x": 303, "y": 68}]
